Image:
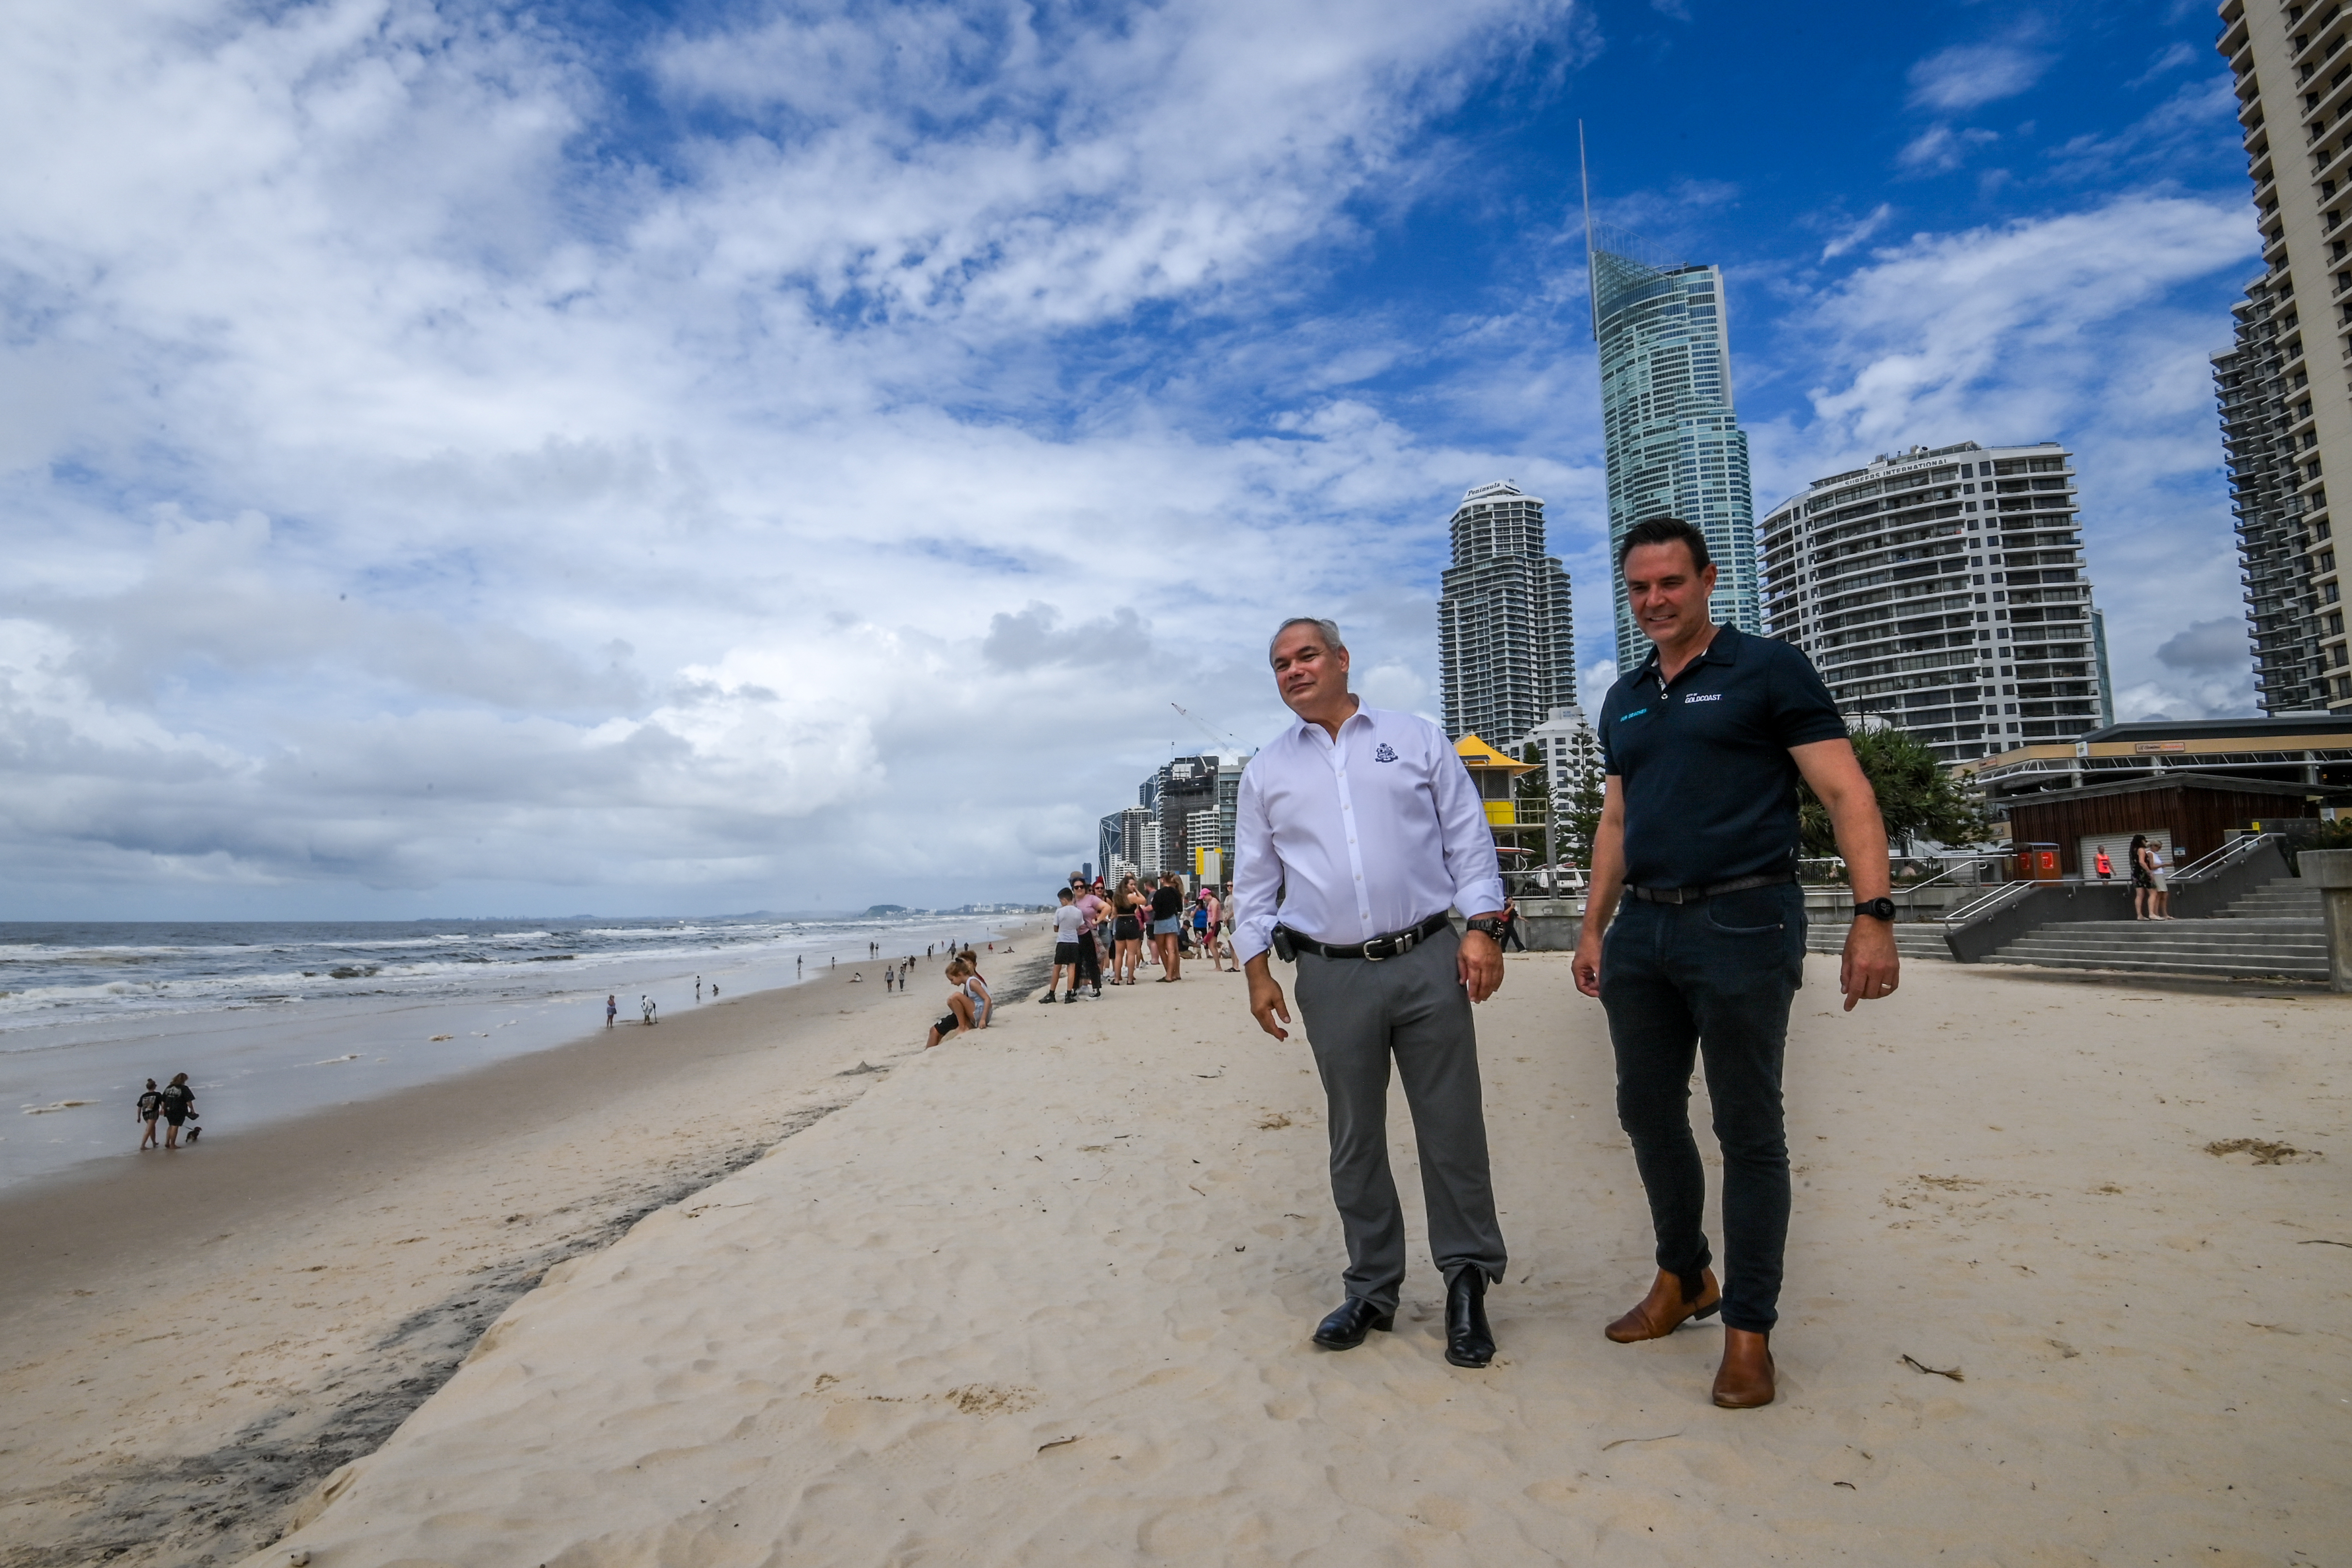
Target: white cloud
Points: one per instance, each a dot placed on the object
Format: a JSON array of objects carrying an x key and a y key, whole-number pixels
[
  {"x": 2170, "y": 58},
  {"x": 2067, "y": 328},
  {"x": 1970, "y": 75},
  {"x": 425, "y": 495},
  {"x": 1855, "y": 233},
  {"x": 1939, "y": 149}
]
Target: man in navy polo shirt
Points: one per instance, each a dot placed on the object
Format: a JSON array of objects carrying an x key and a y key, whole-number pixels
[{"x": 1702, "y": 746}]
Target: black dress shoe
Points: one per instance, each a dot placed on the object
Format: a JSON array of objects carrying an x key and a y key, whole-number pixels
[
  {"x": 1345, "y": 1329},
  {"x": 1468, "y": 1341}
]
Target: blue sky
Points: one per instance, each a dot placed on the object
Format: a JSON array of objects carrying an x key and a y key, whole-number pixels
[{"x": 467, "y": 460}]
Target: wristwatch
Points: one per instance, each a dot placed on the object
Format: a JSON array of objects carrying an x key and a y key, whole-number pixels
[
  {"x": 1876, "y": 908},
  {"x": 1488, "y": 925}
]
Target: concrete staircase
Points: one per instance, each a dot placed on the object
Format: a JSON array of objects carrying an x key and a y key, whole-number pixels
[
  {"x": 1913, "y": 939},
  {"x": 2277, "y": 928}
]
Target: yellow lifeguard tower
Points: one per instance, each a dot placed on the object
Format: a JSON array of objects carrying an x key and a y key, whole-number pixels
[
  {"x": 1494, "y": 773},
  {"x": 1518, "y": 825}
]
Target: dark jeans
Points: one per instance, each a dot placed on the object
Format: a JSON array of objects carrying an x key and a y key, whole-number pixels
[{"x": 1713, "y": 978}]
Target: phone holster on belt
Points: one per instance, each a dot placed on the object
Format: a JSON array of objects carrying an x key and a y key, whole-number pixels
[{"x": 1282, "y": 948}]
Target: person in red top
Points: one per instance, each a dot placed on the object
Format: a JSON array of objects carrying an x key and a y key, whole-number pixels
[{"x": 2106, "y": 868}]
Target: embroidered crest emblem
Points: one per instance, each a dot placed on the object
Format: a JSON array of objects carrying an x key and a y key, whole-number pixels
[{"x": 1385, "y": 753}]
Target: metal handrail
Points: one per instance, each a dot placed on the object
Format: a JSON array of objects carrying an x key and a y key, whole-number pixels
[
  {"x": 2220, "y": 859},
  {"x": 1966, "y": 863},
  {"x": 1977, "y": 909}
]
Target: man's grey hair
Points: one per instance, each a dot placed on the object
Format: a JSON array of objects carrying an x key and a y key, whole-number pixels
[{"x": 1328, "y": 630}]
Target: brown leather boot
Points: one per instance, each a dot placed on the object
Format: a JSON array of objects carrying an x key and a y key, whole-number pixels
[
  {"x": 1663, "y": 1310},
  {"x": 1744, "y": 1381}
]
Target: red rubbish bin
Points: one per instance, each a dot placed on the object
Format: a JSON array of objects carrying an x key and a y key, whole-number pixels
[{"x": 2036, "y": 862}]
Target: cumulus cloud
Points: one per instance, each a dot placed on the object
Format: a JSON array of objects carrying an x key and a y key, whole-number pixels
[
  {"x": 435, "y": 485},
  {"x": 2063, "y": 328},
  {"x": 2204, "y": 646}
]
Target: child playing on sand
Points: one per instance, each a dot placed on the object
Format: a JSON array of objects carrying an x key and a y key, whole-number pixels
[{"x": 958, "y": 1020}]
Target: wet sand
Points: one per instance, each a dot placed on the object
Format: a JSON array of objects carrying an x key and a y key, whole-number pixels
[
  {"x": 192, "y": 1339},
  {"x": 2068, "y": 1284}
]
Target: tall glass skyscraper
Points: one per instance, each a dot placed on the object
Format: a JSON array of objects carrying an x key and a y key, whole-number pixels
[{"x": 1675, "y": 448}]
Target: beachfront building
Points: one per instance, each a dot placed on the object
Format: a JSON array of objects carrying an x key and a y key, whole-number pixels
[
  {"x": 1674, "y": 442},
  {"x": 1187, "y": 803},
  {"x": 1505, "y": 630},
  {"x": 1570, "y": 750},
  {"x": 2287, "y": 415},
  {"x": 2187, "y": 784},
  {"x": 1943, "y": 589}
]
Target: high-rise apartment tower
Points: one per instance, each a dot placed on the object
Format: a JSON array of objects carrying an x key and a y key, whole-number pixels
[
  {"x": 2285, "y": 386},
  {"x": 1505, "y": 632},
  {"x": 1674, "y": 446},
  {"x": 1944, "y": 591}
]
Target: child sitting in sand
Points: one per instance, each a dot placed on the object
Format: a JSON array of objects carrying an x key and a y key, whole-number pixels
[
  {"x": 959, "y": 1019},
  {"x": 975, "y": 985}
]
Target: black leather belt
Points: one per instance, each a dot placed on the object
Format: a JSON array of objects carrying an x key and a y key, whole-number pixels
[
  {"x": 1395, "y": 945},
  {"x": 1694, "y": 895}
]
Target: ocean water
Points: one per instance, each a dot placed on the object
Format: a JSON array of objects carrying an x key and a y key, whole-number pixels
[{"x": 273, "y": 1020}]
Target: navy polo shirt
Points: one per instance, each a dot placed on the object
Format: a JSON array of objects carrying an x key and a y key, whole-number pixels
[{"x": 1703, "y": 765}]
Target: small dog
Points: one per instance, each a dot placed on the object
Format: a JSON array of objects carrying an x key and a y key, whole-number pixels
[{"x": 194, "y": 1131}]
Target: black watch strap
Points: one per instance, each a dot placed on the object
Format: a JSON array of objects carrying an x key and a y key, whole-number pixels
[
  {"x": 1876, "y": 908},
  {"x": 1487, "y": 925}
]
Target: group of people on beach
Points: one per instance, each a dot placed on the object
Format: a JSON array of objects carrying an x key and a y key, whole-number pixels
[
  {"x": 174, "y": 1106},
  {"x": 1094, "y": 928}
]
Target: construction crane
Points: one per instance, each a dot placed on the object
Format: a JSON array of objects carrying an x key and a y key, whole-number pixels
[{"x": 1194, "y": 719}]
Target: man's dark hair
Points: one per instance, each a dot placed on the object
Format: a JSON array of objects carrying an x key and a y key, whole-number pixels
[
  {"x": 1663, "y": 531},
  {"x": 1069, "y": 897}
]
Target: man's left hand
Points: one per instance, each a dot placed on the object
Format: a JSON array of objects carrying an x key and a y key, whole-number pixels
[
  {"x": 1480, "y": 965},
  {"x": 1871, "y": 968}
]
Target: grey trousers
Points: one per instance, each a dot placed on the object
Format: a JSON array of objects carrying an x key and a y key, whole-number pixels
[{"x": 1358, "y": 1014}]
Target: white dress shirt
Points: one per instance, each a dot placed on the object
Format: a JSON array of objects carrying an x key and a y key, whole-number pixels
[{"x": 1369, "y": 834}]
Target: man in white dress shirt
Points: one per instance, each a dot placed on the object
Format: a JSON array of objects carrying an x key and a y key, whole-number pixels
[{"x": 1365, "y": 823}]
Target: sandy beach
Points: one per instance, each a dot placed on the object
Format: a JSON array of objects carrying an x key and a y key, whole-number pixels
[
  {"x": 2065, "y": 1286},
  {"x": 193, "y": 1340}
]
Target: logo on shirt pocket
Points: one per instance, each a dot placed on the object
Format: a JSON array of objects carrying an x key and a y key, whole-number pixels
[{"x": 1385, "y": 753}]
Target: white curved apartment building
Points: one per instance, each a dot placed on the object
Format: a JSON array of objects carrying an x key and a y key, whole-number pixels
[{"x": 1944, "y": 590}]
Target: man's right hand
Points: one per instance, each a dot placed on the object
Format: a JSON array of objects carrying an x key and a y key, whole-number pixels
[
  {"x": 1587, "y": 967},
  {"x": 1265, "y": 998}
]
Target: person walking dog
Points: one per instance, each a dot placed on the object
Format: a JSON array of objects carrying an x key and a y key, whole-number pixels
[{"x": 1368, "y": 824}]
